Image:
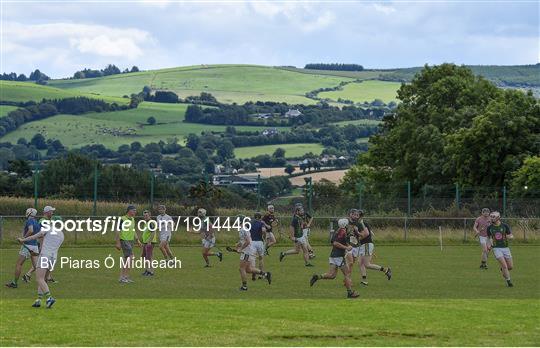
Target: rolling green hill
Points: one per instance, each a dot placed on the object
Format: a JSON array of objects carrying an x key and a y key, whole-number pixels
[
  {"x": 25, "y": 91},
  {"x": 228, "y": 83},
  {"x": 113, "y": 129},
  {"x": 370, "y": 90}
]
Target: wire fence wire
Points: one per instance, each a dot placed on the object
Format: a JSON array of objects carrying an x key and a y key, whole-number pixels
[
  {"x": 102, "y": 188},
  {"x": 398, "y": 229}
]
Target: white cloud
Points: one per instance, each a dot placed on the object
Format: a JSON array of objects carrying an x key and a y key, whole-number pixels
[
  {"x": 99, "y": 40},
  {"x": 385, "y": 9}
]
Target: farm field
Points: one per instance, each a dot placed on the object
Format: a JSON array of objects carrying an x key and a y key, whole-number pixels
[
  {"x": 291, "y": 150},
  {"x": 95, "y": 128},
  {"x": 26, "y": 91},
  {"x": 228, "y": 83},
  {"x": 365, "y": 91},
  {"x": 5, "y": 109},
  {"x": 445, "y": 289},
  {"x": 334, "y": 176}
]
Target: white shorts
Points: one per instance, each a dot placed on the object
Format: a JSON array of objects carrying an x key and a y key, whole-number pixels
[
  {"x": 502, "y": 252},
  {"x": 207, "y": 244},
  {"x": 270, "y": 235},
  {"x": 26, "y": 253},
  {"x": 257, "y": 247},
  {"x": 305, "y": 233},
  {"x": 366, "y": 249},
  {"x": 246, "y": 254},
  {"x": 355, "y": 252},
  {"x": 301, "y": 240},
  {"x": 484, "y": 240},
  {"x": 337, "y": 261},
  {"x": 46, "y": 262},
  {"x": 165, "y": 236}
]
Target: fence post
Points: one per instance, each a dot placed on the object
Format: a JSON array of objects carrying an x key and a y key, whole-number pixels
[
  {"x": 359, "y": 189},
  {"x": 76, "y": 218},
  {"x": 94, "y": 208},
  {"x": 331, "y": 231},
  {"x": 405, "y": 229},
  {"x": 152, "y": 183},
  {"x": 504, "y": 201},
  {"x": 309, "y": 183},
  {"x": 1, "y": 229},
  {"x": 457, "y": 196},
  {"x": 464, "y": 230},
  {"x": 258, "y": 191},
  {"x": 36, "y": 185},
  {"x": 409, "y": 198}
]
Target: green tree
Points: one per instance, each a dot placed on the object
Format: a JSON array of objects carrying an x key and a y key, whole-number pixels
[
  {"x": 289, "y": 169},
  {"x": 279, "y": 153},
  {"x": 526, "y": 180}
]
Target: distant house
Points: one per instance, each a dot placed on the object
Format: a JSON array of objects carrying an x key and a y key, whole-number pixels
[
  {"x": 293, "y": 113},
  {"x": 270, "y": 131},
  {"x": 246, "y": 181}
]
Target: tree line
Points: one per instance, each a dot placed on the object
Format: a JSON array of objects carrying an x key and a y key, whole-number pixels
[
  {"x": 36, "y": 76},
  {"x": 110, "y": 69},
  {"x": 334, "y": 66}
]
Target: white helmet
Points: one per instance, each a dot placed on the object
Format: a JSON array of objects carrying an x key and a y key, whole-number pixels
[
  {"x": 495, "y": 215},
  {"x": 201, "y": 212},
  {"x": 342, "y": 223},
  {"x": 31, "y": 212}
]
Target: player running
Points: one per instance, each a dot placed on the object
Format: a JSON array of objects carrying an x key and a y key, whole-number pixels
[
  {"x": 29, "y": 249},
  {"x": 270, "y": 221},
  {"x": 340, "y": 245},
  {"x": 297, "y": 236},
  {"x": 257, "y": 231},
  {"x": 165, "y": 227},
  {"x": 247, "y": 263},
  {"x": 480, "y": 229},
  {"x": 52, "y": 240},
  {"x": 149, "y": 239},
  {"x": 124, "y": 242},
  {"x": 499, "y": 233},
  {"x": 365, "y": 250},
  {"x": 208, "y": 237}
]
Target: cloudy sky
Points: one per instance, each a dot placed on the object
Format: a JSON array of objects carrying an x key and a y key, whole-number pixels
[{"x": 62, "y": 37}]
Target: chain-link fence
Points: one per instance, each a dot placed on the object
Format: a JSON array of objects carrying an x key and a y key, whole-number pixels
[
  {"x": 408, "y": 230},
  {"x": 104, "y": 186}
]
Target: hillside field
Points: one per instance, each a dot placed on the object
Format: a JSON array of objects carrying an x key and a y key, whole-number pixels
[
  {"x": 95, "y": 128},
  {"x": 291, "y": 150},
  {"x": 228, "y": 83},
  {"x": 370, "y": 90},
  {"x": 29, "y": 91}
]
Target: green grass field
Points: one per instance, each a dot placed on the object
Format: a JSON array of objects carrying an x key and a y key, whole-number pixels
[
  {"x": 94, "y": 128},
  {"x": 434, "y": 298},
  {"x": 5, "y": 109},
  {"x": 365, "y": 91},
  {"x": 26, "y": 91},
  {"x": 228, "y": 83},
  {"x": 291, "y": 150}
]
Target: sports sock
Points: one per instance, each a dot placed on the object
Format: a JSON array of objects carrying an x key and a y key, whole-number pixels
[
  {"x": 244, "y": 283},
  {"x": 364, "y": 277},
  {"x": 381, "y": 269},
  {"x": 15, "y": 280},
  {"x": 349, "y": 291},
  {"x": 40, "y": 295}
]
